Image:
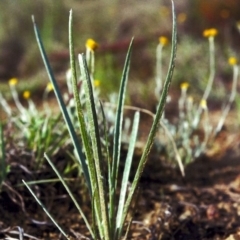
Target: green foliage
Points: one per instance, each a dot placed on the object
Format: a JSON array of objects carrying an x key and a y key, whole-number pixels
[
  {"x": 110, "y": 211},
  {"x": 34, "y": 129}
]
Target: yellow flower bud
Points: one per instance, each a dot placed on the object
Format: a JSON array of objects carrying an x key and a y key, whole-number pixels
[
  {"x": 91, "y": 44},
  {"x": 96, "y": 83},
  {"x": 163, "y": 40},
  {"x": 184, "y": 86},
  {"x": 49, "y": 87},
  {"x": 211, "y": 32},
  {"x": 232, "y": 61},
  {"x": 13, "y": 81},
  {"x": 26, "y": 94}
]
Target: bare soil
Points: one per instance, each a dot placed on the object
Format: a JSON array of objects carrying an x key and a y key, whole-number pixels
[{"x": 205, "y": 204}]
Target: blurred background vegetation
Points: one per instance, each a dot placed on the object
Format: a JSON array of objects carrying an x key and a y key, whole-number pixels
[{"x": 112, "y": 24}]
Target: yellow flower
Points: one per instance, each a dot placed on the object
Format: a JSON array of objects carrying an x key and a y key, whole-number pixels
[
  {"x": 232, "y": 61},
  {"x": 96, "y": 83},
  {"x": 211, "y": 32},
  {"x": 13, "y": 81},
  {"x": 163, "y": 40},
  {"x": 26, "y": 94},
  {"x": 91, "y": 44},
  {"x": 49, "y": 87},
  {"x": 203, "y": 104},
  {"x": 184, "y": 86}
]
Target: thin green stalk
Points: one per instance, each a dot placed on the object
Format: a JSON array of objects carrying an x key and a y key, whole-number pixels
[
  {"x": 158, "y": 79},
  {"x": 230, "y": 101},
  {"x": 207, "y": 130},
  {"x": 210, "y": 79},
  {"x": 211, "y": 68}
]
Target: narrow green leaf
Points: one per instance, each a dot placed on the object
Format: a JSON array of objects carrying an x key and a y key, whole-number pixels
[
  {"x": 96, "y": 146},
  {"x": 119, "y": 117},
  {"x": 80, "y": 114},
  {"x": 110, "y": 187},
  {"x": 126, "y": 173},
  {"x": 134, "y": 203},
  {"x": 45, "y": 210},
  {"x": 84, "y": 131},
  {"x": 118, "y": 134},
  {"x": 62, "y": 106},
  {"x": 95, "y": 228},
  {"x": 91, "y": 114},
  {"x": 156, "y": 121},
  {"x": 128, "y": 229},
  {"x": 70, "y": 194},
  {"x": 45, "y": 181}
]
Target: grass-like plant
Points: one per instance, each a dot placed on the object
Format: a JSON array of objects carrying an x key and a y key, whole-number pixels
[
  {"x": 110, "y": 208},
  {"x": 38, "y": 128},
  {"x": 194, "y": 117}
]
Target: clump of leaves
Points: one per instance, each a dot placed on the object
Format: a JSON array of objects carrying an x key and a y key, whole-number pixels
[{"x": 109, "y": 209}]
